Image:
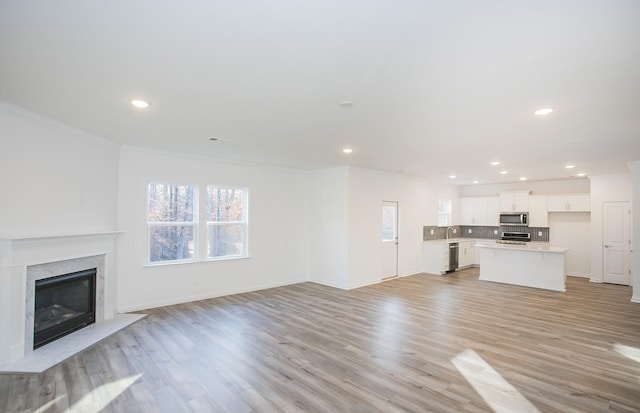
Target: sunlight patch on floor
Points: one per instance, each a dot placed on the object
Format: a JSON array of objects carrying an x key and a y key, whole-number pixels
[
  {"x": 49, "y": 405},
  {"x": 629, "y": 352},
  {"x": 111, "y": 390},
  {"x": 499, "y": 395}
]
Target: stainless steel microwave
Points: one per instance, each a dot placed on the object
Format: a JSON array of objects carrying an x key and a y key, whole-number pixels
[{"x": 514, "y": 218}]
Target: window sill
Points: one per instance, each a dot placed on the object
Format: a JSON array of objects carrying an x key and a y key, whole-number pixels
[{"x": 170, "y": 263}]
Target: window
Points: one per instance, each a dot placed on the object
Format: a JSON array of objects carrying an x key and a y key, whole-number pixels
[
  {"x": 444, "y": 212},
  {"x": 171, "y": 222},
  {"x": 389, "y": 222},
  {"x": 226, "y": 222}
]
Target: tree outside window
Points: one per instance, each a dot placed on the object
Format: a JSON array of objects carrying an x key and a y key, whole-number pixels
[
  {"x": 171, "y": 221},
  {"x": 444, "y": 212},
  {"x": 226, "y": 222}
]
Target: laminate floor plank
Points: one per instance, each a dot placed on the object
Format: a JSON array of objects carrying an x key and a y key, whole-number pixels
[{"x": 414, "y": 344}]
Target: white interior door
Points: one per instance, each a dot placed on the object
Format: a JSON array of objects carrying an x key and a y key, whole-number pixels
[
  {"x": 616, "y": 243},
  {"x": 389, "y": 239}
]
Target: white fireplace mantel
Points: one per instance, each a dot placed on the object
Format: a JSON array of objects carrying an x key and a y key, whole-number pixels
[{"x": 20, "y": 253}]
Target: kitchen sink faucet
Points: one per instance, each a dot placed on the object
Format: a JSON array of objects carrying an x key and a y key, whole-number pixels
[{"x": 452, "y": 230}]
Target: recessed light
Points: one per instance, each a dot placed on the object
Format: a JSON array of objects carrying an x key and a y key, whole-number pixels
[
  {"x": 139, "y": 103},
  {"x": 345, "y": 104},
  {"x": 543, "y": 111},
  {"x": 581, "y": 174},
  {"x": 476, "y": 182},
  {"x": 570, "y": 166},
  {"x": 495, "y": 163},
  {"x": 452, "y": 176},
  {"x": 504, "y": 172},
  {"x": 347, "y": 150},
  {"x": 523, "y": 178}
]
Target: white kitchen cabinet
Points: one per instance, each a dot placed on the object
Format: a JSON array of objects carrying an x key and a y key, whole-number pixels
[
  {"x": 466, "y": 211},
  {"x": 466, "y": 254},
  {"x": 476, "y": 249},
  {"x": 479, "y": 211},
  {"x": 514, "y": 201},
  {"x": 493, "y": 211},
  {"x": 436, "y": 257},
  {"x": 538, "y": 212},
  {"x": 569, "y": 203}
]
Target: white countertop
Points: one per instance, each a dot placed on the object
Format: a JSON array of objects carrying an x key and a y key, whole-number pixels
[
  {"x": 446, "y": 241},
  {"x": 534, "y": 247},
  {"x": 492, "y": 243}
]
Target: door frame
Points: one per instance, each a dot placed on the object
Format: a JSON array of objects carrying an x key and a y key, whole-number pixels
[
  {"x": 627, "y": 206},
  {"x": 397, "y": 248}
]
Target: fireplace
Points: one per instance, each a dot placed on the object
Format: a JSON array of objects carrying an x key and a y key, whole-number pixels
[
  {"x": 63, "y": 304},
  {"x": 28, "y": 260}
]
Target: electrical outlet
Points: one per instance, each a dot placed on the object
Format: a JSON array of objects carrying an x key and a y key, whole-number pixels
[
  {"x": 469, "y": 230},
  {"x": 495, "y": 232},
  {"x": 539, "y": 233},
  {"x": 431, "y": 232}
]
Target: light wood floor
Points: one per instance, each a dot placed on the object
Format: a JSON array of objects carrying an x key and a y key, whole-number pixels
[{"x": 413, "y": 344}]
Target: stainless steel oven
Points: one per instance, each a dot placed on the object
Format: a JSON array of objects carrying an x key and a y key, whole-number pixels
[{"x": 518, "y": 238}]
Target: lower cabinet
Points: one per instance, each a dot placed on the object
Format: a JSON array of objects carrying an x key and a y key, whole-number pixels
[
  {"x": 466, "y": 256},
  {"x": 476, "y": 252},
  {"x": 436, "y": 257}
]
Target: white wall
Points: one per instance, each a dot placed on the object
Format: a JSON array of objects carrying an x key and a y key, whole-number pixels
[
  {"x": 278, "y": 230},
  {"x": 418, "y": 206},
  {"x": 562, "y": 186},
  {"x": 572, "y": 230},
  {"x": 604, "y": 188},
  {"x": 55, "y": 179},
  {"x": 635, "y": 231},
  {"x": 329, "y": 227}
]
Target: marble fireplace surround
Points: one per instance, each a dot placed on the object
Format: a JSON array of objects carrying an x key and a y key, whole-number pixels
[
  {"x": 25, "y": 260},
  {"x": 52, "y": 269}
]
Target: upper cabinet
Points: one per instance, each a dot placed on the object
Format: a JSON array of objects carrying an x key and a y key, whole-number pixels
[
  {"x": 538, "y": 216},
  {"x": 569, "y": 203},
  {"x": 514, "y": 201},
  {"x": 479, "y": 211},
  {"x": 466, "y": 211},
  {"x": 493, "y": 211}
]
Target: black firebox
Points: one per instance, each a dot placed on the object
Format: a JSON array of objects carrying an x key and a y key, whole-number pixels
[{"x": 64, "y": 304}]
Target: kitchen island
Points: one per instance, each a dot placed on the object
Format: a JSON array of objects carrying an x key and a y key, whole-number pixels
[{"x": 539, "y": 266}]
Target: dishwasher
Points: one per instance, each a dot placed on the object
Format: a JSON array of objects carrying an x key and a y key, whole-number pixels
[{"x": 454, "y": 248}]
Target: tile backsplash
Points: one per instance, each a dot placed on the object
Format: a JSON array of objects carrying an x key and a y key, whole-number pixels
[{"x": 484, "y": 232}]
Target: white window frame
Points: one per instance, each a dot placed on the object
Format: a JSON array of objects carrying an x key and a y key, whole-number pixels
[
  {"x": 445, "y": 216},
  {"x": 244, "y": 222},
  {"x": 155, "y": 224}
]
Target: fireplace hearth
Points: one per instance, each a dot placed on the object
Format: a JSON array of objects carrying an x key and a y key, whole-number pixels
[{"x": 63, "y": 304}]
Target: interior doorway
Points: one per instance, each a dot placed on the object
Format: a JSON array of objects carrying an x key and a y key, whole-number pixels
[
  {"x": 616, "y": 243},
  {"x": 389, "y": 239}
]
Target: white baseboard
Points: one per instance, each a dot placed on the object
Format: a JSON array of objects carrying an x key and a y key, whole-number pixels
[
  {"x": 635, "y": 299},
  {"x": 577, "y": 274},
  {"x": 595, "y": 280},
  {"x": 188, "y": 299},
  {"x": 328, "y": 284}
]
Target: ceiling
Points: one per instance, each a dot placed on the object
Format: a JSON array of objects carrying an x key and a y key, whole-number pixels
[{"x": 438, "y": 87}]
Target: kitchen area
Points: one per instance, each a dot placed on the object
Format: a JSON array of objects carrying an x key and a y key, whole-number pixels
[{"x": 508, "y": 237}]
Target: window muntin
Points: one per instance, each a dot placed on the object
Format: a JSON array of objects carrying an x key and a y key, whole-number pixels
[
  {"x": 226, "y": 222},
  {"x": 171, "y": 222},
  {"x": 444, "y": 212}
]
